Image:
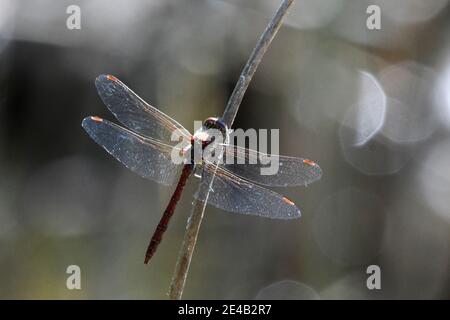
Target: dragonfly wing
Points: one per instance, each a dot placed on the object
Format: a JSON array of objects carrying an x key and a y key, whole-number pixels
[
  {"x": 135, "y": 113},
  {"x": 231, "y": 193},
  {"x": 285, "y": 171},
  {"x": 146, "y": 157}
]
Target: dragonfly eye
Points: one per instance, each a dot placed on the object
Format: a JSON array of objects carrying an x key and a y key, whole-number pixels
[
  {"x": 215, "y": 123},
  {"x": 210, "y": 123}
]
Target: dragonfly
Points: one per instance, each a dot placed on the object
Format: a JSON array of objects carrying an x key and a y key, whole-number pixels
[{"x": 144, "y": 144}]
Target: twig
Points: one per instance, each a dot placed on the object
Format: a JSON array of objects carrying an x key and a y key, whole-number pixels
[
  {"x": 252, "y": 64},
  {"x": 198, "y": 208}
]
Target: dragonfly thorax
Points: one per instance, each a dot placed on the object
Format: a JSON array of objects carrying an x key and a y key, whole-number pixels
[{"x": 205, "y": 140}]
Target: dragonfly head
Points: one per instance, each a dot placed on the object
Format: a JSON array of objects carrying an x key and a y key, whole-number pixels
[
  {"x": 212, "y": 132},
  {"x": 218, "y": 124}
]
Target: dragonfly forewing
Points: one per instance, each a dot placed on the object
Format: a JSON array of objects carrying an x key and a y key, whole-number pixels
[{"x": 135, "y": 113}]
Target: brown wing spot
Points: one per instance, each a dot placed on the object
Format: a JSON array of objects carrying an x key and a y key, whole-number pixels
[
  {"x": 112, "y": 78},
  {"x": 289, "y": 202},
  {"x": 309, "y": 162},
  {"x": 96, "y": 119}
]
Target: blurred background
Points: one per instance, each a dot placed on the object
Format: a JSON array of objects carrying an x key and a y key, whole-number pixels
[{"x": 372, "y": 107}]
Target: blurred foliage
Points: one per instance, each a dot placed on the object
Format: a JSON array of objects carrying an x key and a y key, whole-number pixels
[{"x": 371, "y": 107}]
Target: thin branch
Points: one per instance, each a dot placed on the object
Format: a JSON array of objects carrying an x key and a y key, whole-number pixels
[
  {"x": 253, "y": 62},
  {"x": 198, "y": 208}
]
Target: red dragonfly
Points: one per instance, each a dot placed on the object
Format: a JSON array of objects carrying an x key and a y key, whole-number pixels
[{"x": 145, "y": 147}]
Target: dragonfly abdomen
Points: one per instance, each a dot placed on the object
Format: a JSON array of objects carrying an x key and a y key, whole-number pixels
[{"x": 163, "y": 223}]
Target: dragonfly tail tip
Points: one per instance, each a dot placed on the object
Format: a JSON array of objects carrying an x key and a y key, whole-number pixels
[{"x": 147, "y": 258}]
